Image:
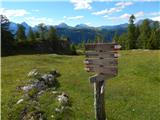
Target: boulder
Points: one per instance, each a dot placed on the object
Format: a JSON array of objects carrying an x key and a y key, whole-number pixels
[
  {"x": 49, "y": 80},
  {"x": 40, "y": 85}
]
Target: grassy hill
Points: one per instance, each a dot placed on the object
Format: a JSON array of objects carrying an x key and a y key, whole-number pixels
[{"x": 133, "y": 95}]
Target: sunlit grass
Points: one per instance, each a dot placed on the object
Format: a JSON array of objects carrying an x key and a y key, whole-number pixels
[{"x": 133, "y": 95}]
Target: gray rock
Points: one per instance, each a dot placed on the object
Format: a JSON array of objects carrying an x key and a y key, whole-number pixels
[
  {"x": 40, "y": 85},
  {"x": 63, "y": 99},
  {"x": 55, "y": 73},
  {"x": 27, "y": 88},
  {"x": 49, "y": 79}
]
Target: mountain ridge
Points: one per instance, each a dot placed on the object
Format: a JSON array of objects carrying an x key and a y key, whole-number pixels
[{"x": 81, "y": 32}]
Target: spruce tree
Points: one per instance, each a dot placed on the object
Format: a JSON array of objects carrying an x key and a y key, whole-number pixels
[
  {"x": 154, "y": 39},
  {"x": 116, "y": 38},
  {"x": 42, "y": 29},
  {"x": 20, "y": 35},
  {"x": 131, "y": 42},
  {"x": 31, "y": 35},
  {"x": 137, "y": 33},
  {"x": 51, "y": 34},
  {"x": 7, "y": 38},
  {"x": 145, "y": 32},
  {"x": 123, "y": 41}
]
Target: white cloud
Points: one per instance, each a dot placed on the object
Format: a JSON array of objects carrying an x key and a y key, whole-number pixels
[
  {"x": 123, "y": 4},
  {"x": 139, "y": 14},
  {"x": 88, "y": 23},
  {"x": 154, "y": 13},
  {"x": 118, "y": 8},
  {"x": 156, "y": 18},
  {"x": 73, "y": 18},
  {"x": 81, "y": 4},
  {"x": 35, "y": 21},
  {"x": 125, "y": 16},
  {"x": 13, "y": 12},
  {"x": 107, "y": 11}
]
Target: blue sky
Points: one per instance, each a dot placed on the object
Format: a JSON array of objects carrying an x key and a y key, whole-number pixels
[{"x": 73, "y": 12}]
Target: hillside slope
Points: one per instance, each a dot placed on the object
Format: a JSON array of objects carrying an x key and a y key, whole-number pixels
[{"x": 132, "y": 95}]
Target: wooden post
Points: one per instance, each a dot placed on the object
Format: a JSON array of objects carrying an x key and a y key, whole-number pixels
[
  {"x": 101, "y": 59},
  {"x": 99, "y": 102}
]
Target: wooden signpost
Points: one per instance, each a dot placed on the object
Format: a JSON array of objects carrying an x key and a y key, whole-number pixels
[{"x": 101, "y": 58}]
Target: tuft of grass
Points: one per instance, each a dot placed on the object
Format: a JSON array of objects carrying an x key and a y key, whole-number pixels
[{"x": 133, "y": 95}]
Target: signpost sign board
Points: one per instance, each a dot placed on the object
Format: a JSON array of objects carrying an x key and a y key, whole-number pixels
[{"x": 102, "y": 59}]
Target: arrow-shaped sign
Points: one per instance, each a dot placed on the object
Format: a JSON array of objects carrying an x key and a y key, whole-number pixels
[
  {"x": 103, "y": 46},
  {"x": 104, "y": 62}
]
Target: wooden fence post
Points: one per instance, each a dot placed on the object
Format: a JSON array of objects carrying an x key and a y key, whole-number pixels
[{"x": 99, "y": 101}]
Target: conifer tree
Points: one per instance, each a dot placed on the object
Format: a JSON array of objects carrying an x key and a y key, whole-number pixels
[
  {"x": 20, "y": 35},
  {"x": 51, "y": 34},
  {"x": 31, "y": 35},
  {"x": 131, "y": 42},
  {"x": 154, "y": 39},
  {"x": 42, "y": 31},
  {"x": 145, "y": 32},
  {"x": 116, "y": 38}
]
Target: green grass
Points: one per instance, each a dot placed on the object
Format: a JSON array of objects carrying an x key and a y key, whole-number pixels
[{"x": 133, "y": 95}]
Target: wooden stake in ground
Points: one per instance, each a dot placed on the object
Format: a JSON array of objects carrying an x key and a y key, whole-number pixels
[
  {"x": 105, "y": 66},
  {"x": 99, "y": 100}
]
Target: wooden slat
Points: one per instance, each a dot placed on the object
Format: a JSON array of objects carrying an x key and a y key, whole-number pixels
[
  {"x": 101, "y": 46},
  {"x": 100, "y": 77},
  {"x": 102, "y": 70},
  {"x": 104, "y": 62},
  {"x": 94, "y": 54}
]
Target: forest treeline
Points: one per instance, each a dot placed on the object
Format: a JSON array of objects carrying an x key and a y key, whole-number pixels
[
  {"x": 44, "y": 40},
  {"x": 143, "y": 36}
]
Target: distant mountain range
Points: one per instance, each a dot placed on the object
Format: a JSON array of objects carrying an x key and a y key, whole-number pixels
[{"x": 81, "y": 32}]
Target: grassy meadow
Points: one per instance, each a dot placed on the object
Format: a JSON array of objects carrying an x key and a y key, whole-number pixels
[{"x": 133, "y": 95}]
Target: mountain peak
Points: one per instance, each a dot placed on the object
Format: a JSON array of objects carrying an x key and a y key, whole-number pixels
[
  {"x": 24, "y": 24},
  {"x": 62, "y": 25},
  {"x": 81, "y": 26}
]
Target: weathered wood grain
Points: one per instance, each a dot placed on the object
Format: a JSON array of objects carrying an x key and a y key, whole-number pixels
[
  {"x": 101, "y": 46},
  {"x": 99, "y": 101},
  {"x": 113, "y": 70},
  {"x": 104, "y": 62},
  {"x": 100, "y": 77},
  {"x": 94, "y": 54}
]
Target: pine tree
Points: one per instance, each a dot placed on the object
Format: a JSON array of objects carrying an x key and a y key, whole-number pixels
[
  {"x": 20, "y": 35},
  {"x": 73, "y": 49},
  {"x": 123, "y": 41},
  {"x": 42, "y": 29},
  {"x": 116, "y": 38},
  {"x": 51, "y": 34},
  {"x": 31, "y": 35},
  {"x": 7, "y": 39},
  {"x": 98, "y": 39},
  {"x": 137, "y": 33},
  {"x": 154, "y": 39},
  {"x": 144, "y": 36},
  {"x": 131, "y": 43}
]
